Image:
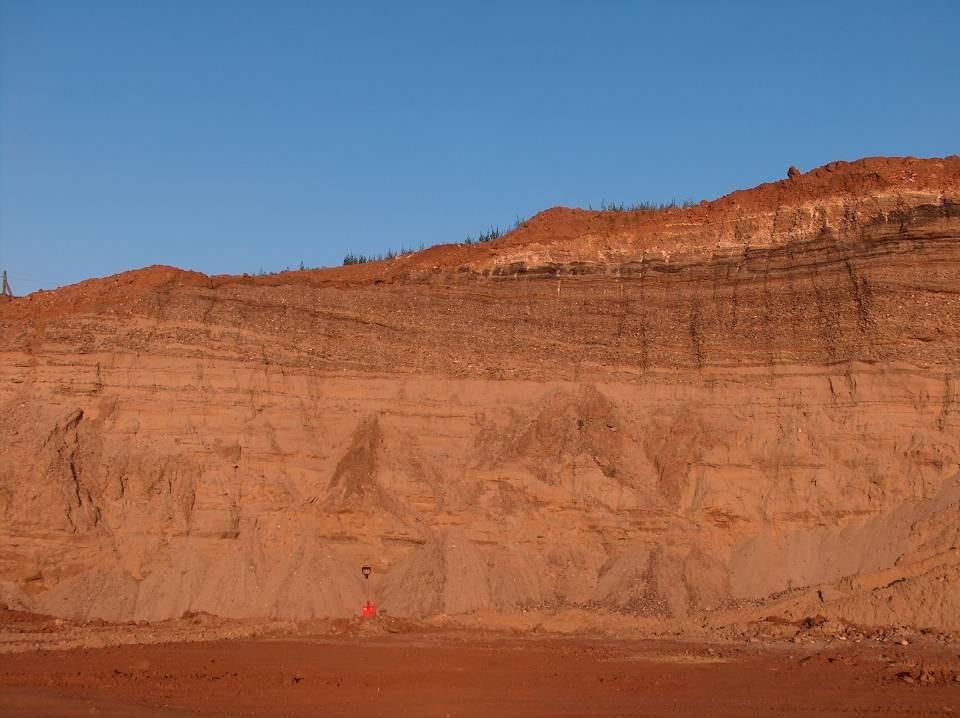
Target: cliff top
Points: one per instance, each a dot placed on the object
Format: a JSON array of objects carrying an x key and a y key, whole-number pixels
[{"x": 560, "y": 234}]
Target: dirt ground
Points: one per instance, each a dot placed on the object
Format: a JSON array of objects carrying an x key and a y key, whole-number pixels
[{"x": 481, "y": 673}]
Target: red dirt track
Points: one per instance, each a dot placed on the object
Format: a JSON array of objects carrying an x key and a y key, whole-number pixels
[{"x": 466, "y": 675}]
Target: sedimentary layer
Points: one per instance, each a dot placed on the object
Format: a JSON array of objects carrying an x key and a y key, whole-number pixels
[{"x": 749, "y": 407}]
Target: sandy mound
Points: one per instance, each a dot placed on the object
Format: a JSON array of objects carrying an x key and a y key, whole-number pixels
[
  {"x": 259, "y": 574},
  {"x": 448, "y": 575}
]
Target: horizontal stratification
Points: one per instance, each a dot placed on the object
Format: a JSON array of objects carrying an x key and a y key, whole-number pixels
[{"x": 893, "y": 297}]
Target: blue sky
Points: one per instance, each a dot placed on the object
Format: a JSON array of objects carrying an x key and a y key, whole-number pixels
[{"x": 228, "y": 136}]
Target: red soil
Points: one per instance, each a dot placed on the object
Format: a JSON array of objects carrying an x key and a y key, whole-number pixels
[
  {"x": 555, "y": 226},
  {"x": 474, "y": 675}
]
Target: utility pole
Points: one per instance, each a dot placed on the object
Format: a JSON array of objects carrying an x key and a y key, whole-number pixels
[{"x": 6, "y": 286}]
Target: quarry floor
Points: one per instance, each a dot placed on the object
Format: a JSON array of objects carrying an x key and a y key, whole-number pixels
[{"x": 51, "y": 668}]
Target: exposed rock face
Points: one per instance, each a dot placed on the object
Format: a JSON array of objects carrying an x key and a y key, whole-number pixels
[{"x": 752, "y": 405}]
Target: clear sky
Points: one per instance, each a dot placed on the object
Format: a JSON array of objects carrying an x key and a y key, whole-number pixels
[{"x": 228, "y": 136}]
